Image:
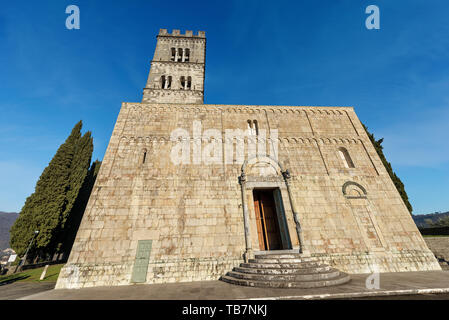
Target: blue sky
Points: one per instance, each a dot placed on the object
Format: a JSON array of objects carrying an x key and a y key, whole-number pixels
[{"x": 258, "y": 52}]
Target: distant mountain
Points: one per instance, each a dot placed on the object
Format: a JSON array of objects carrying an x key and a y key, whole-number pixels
[
  {"x": 420, "y": 219},
  {"x": 6, "y": 221}
]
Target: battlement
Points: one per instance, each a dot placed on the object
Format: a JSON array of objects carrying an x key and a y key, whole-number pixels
[{"x": 177, "y": 33}]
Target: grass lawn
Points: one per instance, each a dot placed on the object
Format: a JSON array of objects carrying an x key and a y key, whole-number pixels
[{"x": 33, "y": 275}]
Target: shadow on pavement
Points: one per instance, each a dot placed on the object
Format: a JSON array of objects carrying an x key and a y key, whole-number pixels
[{"x": 13, "y": 278}]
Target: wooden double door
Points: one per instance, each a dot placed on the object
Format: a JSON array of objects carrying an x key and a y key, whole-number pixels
[{"x": 267, "y": 220}]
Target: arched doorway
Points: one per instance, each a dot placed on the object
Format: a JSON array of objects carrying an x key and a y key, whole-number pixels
[
  {"x": 267, "y": 220},
  {"x": 266, "y": 192}
]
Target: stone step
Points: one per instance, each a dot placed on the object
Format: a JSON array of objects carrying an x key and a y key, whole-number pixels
[
  {"x": 340, "y": 279},
  {"x": 285, "y": 277},
  {"x": 278, "y": 255},
  {"x": 285, "y": 270},
  {"x": 289, "y": 256},
  {"x": 318, "y": 269},
  {"x": 300, "y": 265},
  {"x": 280, "y": 260}
]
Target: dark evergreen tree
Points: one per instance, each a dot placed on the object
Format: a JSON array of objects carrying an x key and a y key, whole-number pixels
[
  {"x": 78, "y": 173},
  {"x": 397, "y": 182},
  {"x": 74, "y": 219},
  {"x": 53, "y": 202},
  {"x": 43, "y": 208}
]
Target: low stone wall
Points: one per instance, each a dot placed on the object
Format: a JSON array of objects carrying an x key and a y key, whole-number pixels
[
  {"x": 186, "y": 270},
  {"x": 439, "y": 246},
  {"x": 400, "y": 261},
  {"x": 76, "y": 276}
]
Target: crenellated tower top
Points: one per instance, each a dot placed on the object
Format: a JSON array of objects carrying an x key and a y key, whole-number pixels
[
  {"x": 177, "y": 33},
  {"x": 177, "y": 68}
]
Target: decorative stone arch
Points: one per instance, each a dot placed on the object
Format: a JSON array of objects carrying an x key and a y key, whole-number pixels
[
  {"x": 279, "y": 178},
  {"x": 353, "y": 190},
  {"x": 364, "y": 216},
  {"x": 270, "y": 161}
]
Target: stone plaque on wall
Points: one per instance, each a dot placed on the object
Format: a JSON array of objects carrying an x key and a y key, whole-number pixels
[{"x": 142, "y": 259}]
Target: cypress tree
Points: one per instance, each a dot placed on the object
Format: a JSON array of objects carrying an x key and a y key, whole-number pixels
[
  {"x": 78, "y": 172},
  {"x": 397, "y": 182},
  {"x": 42, "y": 209},
  {"x": 50, "y": 206},
  {"x": 74, "y": 218}
]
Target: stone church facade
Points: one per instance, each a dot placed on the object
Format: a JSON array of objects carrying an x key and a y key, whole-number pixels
[{"x": 182, "y": 195}]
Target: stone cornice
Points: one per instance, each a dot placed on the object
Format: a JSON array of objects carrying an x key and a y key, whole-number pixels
[
  {"x": 179, "y": 63},
  {"x": 298, "y": 139},
  {"x": 310, "y": 110},
  {"x": 183, "y": 37},
  {"x": 172, "y": 90}
]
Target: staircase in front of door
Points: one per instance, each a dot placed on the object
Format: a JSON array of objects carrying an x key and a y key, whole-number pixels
[{"x": 290, "y": 270}]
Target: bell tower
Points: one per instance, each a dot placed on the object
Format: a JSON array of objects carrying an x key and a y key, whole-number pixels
[{"x": 177, "y": 69}]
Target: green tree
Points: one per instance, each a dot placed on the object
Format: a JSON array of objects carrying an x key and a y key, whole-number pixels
[
  {"x": 49, "y": 207},
  {"x": 442, "y": 222},
  {"x": 397, "y": 182},
  {"x": 74, "y": 218},
  {"x": 428, "y": 223},
  {"x": 78, "y": 173}
]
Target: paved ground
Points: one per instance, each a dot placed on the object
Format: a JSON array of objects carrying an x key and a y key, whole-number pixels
[
  {"x": 404, "y": 283},
  {"x": 440, "y": 296},
  {"x": 18, "y": 290}
]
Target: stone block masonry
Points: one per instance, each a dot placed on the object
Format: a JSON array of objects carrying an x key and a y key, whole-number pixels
[
  {"x": 440, "y": 248},
  {"x": 332, "y": 196},
  {"x": 193, "y": 213}
]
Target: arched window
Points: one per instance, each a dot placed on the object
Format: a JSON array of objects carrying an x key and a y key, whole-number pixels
[
  {"x": 187, "y": 55},
  {"x": 189, "y": 83},
  {"x": 256, "y": 127},
  {"x": 179, "y": 54},
  {"x": 183, "y": 82},
  {"x": 344, "y": 155},
  {"x": 173, "y": 54},
  {"x": 169, "y": 82},
  {"x": 250, "y": 126},
  {"x": 253, "y": 127},
  {"x": 166, "y": 82}
]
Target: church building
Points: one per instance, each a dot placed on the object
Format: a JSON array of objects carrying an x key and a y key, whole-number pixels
[{"x": 259, "y": 195}]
